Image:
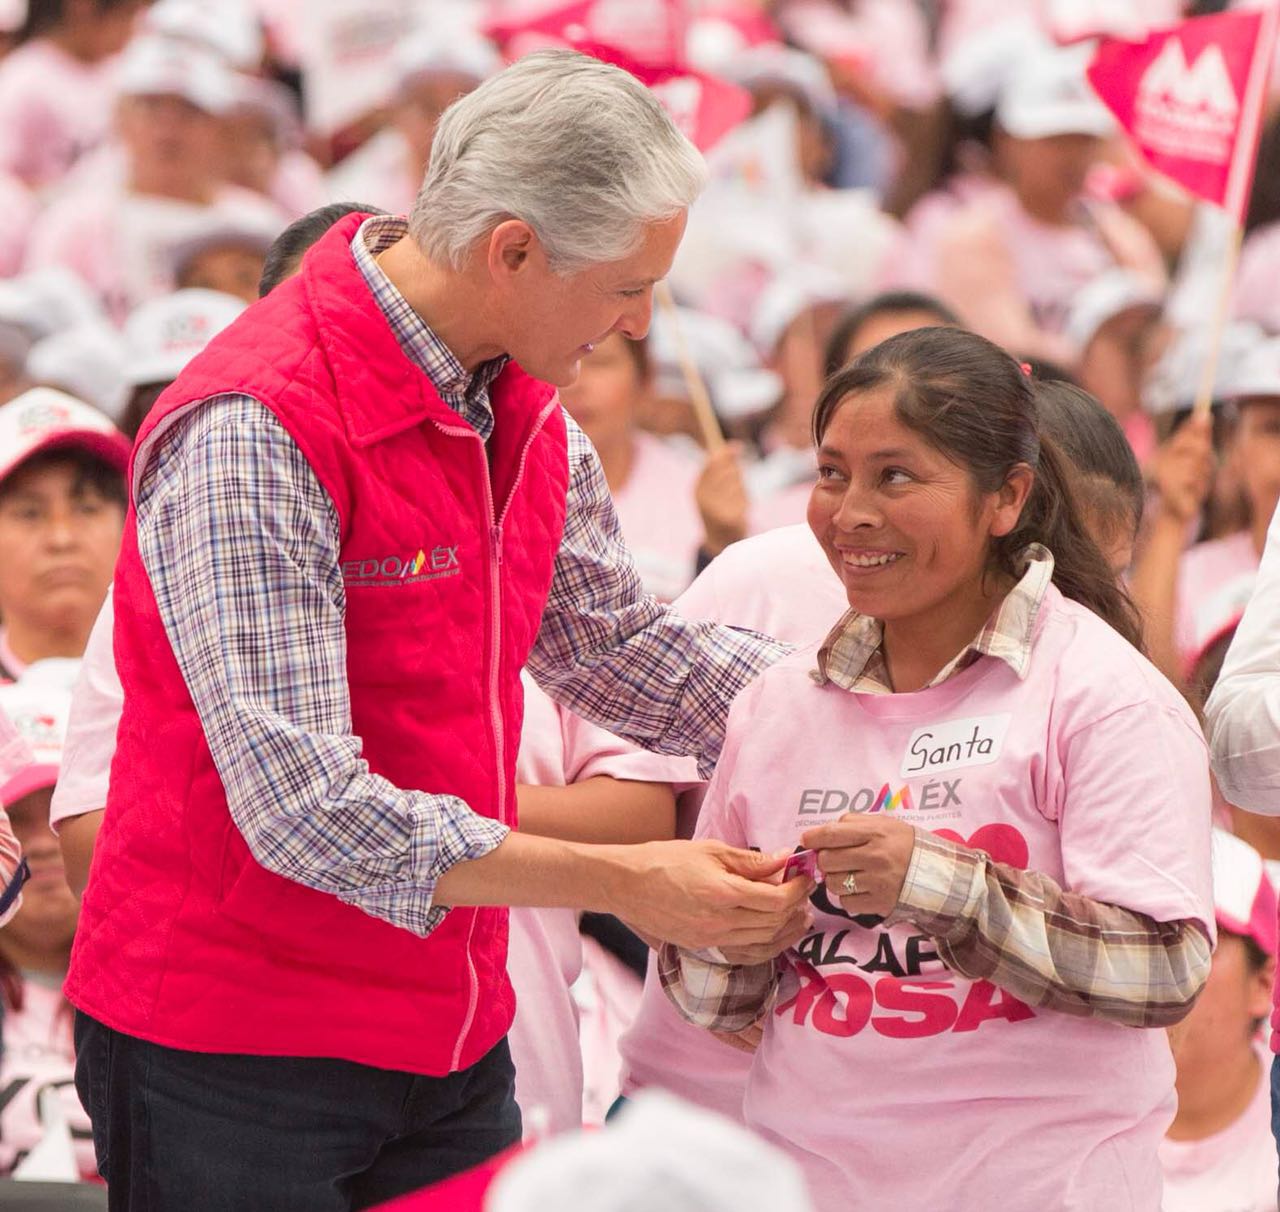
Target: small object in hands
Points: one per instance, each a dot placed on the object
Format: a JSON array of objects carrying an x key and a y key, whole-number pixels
[
  {"x": 850, "y": 885},
  {"x": 803, "y": 862}
]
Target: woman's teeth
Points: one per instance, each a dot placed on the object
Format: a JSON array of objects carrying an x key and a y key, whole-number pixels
[{"x": 871, "y": 561}]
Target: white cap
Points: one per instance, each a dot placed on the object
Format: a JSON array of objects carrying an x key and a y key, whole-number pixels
[
  {"x": 46, "y": 301},
  {"x": 1048, "y": 94},
  {"x": 162, "y": 336},
  {"x": 773, "y": 63},
  {"x": 87, "y": 361},
  {"x": 659, "y": 1155},
  {"x": 738, "y": 385},
  {"x": 229, "y": 28},
  {"x": 39, "y": 703},
  {"x": 156, "y": 66},
  {"x": 1107, "y": 296},
  {"x": 46, "y": 419},
  {"x": 976, "y": 70},
  {"x": 238, "y": 229},
  {"x": 433, "y": 51},
  {"x": 1173, "y": 382},
  {"x": 788, "y": 296},
  {"x": 1257, "y": 373}
]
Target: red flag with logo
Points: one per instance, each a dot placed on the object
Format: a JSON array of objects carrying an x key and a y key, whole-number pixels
[{"x": 1191, "y": 99}]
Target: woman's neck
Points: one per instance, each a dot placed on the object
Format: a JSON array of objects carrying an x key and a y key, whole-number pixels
[
  {"x": 917, "y": 648},
  {"x": 1213, "y": 1093},
  {"x": 30, "y": 643}
]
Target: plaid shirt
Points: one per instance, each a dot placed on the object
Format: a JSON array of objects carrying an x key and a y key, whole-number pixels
[
  {"x": 242, "y": 547},
  {"x": 1018, "y": 929}
]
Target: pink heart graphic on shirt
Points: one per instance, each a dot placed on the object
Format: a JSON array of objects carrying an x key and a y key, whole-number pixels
[{"x": 1003, "y": 842}]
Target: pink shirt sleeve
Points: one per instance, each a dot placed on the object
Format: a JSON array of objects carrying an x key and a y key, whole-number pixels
[
  {"x": 1135, "y": 810},
  {"x": 90, "y": 742}
]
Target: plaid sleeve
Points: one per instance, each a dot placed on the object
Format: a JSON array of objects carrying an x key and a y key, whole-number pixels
[
  {"x": 241, "y": 545},
  {"x": 711, "y": 993},
  {"x": 1049, "y": 947},
  {"x": 619, "y": 658}
]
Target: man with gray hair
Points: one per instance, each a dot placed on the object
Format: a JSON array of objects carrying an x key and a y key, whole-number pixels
[{"x": 354, "y": 517}]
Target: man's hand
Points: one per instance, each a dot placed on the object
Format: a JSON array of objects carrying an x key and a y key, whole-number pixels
[
  {"x": 709, "y": 894},
  {"x": 874, "y": 851},
  {"x": 721, "y": 496}
]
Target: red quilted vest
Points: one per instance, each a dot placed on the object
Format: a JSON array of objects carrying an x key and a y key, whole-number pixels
[{"x": 447, "y": 551}]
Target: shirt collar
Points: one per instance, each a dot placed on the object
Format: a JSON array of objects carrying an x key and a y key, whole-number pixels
[
  {"x": 851, "y": 657},
  {"x": 420, "y": 345}
]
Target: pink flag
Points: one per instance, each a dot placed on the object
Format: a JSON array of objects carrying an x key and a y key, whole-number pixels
[
  {"x": 1191, "y": 98},
  {"x": 650, "y": 31}
]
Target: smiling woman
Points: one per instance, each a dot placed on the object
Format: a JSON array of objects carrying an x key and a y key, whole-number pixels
[{"x": 1010, "y": 810}]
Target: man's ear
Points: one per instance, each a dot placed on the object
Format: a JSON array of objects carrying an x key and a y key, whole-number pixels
[{"x": 511, "y": 244}]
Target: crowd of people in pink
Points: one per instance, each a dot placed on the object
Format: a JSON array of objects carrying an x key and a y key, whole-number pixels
[{"x": 637, "y": 604}]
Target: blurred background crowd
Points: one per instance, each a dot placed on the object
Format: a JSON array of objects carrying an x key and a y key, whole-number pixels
[{"x": 904, "y": 163}]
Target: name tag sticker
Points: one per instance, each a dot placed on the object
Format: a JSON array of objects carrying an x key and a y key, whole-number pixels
[{"x": 955, "y": 744}]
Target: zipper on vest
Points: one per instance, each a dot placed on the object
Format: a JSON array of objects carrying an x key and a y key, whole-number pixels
[{"x": 495, "y": 653}]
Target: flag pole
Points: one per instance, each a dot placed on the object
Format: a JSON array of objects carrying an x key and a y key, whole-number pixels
[
  {"x": 708, "y": 422},
  {"x": 1239, "y": 185}
]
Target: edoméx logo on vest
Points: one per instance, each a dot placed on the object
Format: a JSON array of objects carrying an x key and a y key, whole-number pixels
[{"x": 387, "y": 571}]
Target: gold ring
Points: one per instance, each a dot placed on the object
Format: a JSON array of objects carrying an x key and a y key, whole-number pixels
[{"x": 850, "y": 885}]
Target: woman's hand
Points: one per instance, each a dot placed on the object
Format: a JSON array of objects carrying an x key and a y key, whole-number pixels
[
  {"x": 1183, "y": 470},
  {"x": 721, "y": 496},
  {"x": 874, "y": 850}
]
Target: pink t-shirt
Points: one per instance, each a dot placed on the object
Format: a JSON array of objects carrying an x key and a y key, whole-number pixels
[
  {"x": 38, "y": 1055},
  {"x": 18, "y": 205},
  {"x": 122, "y": 244},
  {"x": 659, "y": 515},
  {"x": 1231, "y": 1171},
  {"x": 778, "y": 583},
  {"x": 545, "y": 955},
  {"x": 53, "y": 108},
  {"x": 888, "y": 1077},
  {"x": 1214, "y": 582}
]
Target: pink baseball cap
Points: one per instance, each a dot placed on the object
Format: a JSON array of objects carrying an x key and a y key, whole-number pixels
[
  {"x": 38, "y": 704},
  {"x": 1244, "y": 901},
  {"x": 47, "y": 419}
]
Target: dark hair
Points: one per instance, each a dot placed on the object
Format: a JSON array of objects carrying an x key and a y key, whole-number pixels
[
  {"x": 1264, "y": 198},
  {"x": 141, "y": 401},
  {"x": 45, "y": 15},
  {"x": 971, "y": 401},
  {"x": 1110, "y": 480},
  {"x": 288, "y": 247},
  {"x": 93, "y": 474},
  {"x": 879, "y": 305}
]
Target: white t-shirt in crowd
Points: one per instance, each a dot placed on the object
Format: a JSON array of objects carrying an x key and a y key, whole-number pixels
[{"x": 39, "y": 1056}]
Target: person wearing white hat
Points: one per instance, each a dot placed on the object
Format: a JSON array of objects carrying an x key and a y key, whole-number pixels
[
  {"x": 1175, "y": 583},
  {"x": 55, "y": 88},
  {"x": 118, "y": 233},
  {"x": 1011, "y": 258},
  {"x": 225, "y": 256},
  {"x": 61, "y": 515},
  {"x": 1219, "y": 1154},
  {"x": 1115, "y": 325},
  {"x": 432, "y": 68},
  {"x": 161, "y": 337},
  {"x": 35, "y": 945}
]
